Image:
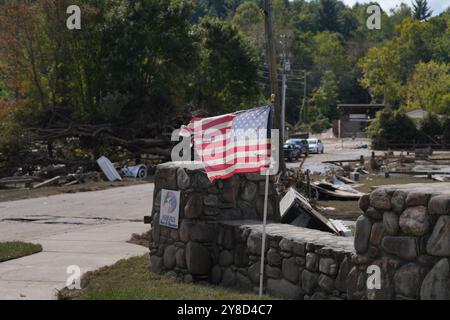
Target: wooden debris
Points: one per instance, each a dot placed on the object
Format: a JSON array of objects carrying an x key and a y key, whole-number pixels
[
  {"x": 46, "y": 183},
  {"x": 328, "y": 190},
  {"x": 296, "y": 210},
  {"x": 71, "y": 183},
  {"x": 27, "y": 181},
  {"x": 345, "y": 179}
]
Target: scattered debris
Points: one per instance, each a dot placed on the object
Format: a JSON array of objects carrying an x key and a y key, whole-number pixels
[
  {"x": 442, "y": 178},
  {"x": 324, "y": 169},
  {"x": 296, "y": 210},
  {"x": 47, "y": 182},
  {"x": 60, "y": 175},
  {"x": 139, "y": 172},
  {"x": 343, "y": 179},
  {"x": 423, "y": 154},
  {"x": 14, "y": 181},
  {"x": 354, "y": 176},
  {"x": 71, "y": 183},
  {"x": 52, "y": 171},
  {"x": 108, "y": 169},
  {"x": 328, "y": 190},
  {"x": 342, "y": 228}
]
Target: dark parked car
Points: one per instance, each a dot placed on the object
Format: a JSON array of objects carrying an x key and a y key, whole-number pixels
[
  {"x": 291, "y": 151},
  {"x": 302, "y": 145}
]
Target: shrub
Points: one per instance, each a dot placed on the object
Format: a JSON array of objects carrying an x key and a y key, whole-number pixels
[
  {"x": 390, "y": 125},
  {"x": 446, "y": 130},
  {"x": 320, "y": 125},
  {"x": 430, "y": 127}
]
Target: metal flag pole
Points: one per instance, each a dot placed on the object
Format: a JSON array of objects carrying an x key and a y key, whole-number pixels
[
  {"x": 266, "y": 200},
  {"x": 263, "y": 245}
]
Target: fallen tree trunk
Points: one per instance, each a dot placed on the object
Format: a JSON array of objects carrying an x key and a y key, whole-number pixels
[{"x": 102, "y": 134}]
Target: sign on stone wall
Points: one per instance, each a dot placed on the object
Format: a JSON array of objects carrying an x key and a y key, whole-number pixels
[{"x": 170, "y": 208}]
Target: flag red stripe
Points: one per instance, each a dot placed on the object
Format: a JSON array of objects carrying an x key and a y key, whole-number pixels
[
  {"x": 208, "y": 125},
  {"x": 211, "y": 133}
]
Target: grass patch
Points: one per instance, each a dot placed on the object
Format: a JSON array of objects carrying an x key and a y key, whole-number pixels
[
  {"x": 371, "y": 181},
  {"x": 14, "y": 250},
  {"x": 131, "y": 280}
]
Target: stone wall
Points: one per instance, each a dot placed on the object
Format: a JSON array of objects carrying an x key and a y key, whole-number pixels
[
  {"x": 299, "y": 263},
  {"x": 188, "y": 251},
  {"x": 405, "y": 230}
]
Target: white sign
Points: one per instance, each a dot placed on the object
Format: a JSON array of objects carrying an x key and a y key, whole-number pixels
[
  {"x": 358, "y": 116},
  {"x": 170, "y": 208}
]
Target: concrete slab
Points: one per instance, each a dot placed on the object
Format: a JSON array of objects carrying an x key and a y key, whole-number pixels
[
  {"x": 89, "y": 230},
  {"x": 29, "y": 232},
  {"x": 49, "y": 268},
  {"x": 11, "y": 290},
  {"x": 128, "y": 203}
]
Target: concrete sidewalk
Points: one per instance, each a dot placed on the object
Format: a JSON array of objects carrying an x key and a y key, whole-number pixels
[{"x": 88, "y": 230}]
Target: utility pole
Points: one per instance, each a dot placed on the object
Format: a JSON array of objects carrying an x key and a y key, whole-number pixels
[
  {"x": 305, "y": 110},
  {"x": 286, "y": 68},
  {"x": 283, "y": 106},
  {"x": 273, "y": 75}
]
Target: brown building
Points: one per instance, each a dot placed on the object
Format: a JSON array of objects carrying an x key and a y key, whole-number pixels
[{"x": 354, "y": 119}]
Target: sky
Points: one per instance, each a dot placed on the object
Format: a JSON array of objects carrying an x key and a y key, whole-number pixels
[{"x": 437, "y": 6}]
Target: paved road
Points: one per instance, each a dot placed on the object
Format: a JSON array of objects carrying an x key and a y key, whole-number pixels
[
  {"x": 335, "y": 149},
  {"x": 88, "y": 230}
]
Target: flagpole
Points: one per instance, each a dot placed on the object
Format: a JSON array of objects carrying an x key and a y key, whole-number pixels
[
  {"x": 266, "y": 200},
  {"x": 263, "y": 246}
]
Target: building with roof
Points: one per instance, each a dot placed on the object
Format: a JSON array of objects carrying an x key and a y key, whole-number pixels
[{"x": 354, "y": 119}]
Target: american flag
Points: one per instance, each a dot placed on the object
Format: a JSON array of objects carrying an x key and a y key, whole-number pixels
[{"x": 233, "y": 143}]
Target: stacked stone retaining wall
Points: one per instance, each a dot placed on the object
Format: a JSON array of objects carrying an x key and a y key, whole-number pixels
[{"x": 405, "y": 231}]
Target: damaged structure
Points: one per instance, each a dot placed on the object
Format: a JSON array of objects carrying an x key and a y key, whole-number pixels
[{"x": 296, "y": 210}]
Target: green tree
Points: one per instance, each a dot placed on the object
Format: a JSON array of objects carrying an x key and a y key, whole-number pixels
[
  {"x": 400, "y": 13},
  {"x": 429, "y": 88},
  {"x": 216, "y": 8},
  {"x": 130, "y": 60},
  {"x": 324, "y": 99},
  {"x": 381, "y": 69},
  {"x": 227, "y": 78},
  {"x": 364, "y": 38},
  {"x": 431, "y": 126},
  {"x": 446, "y": 131},
  {"x": 421, "y": 10},
  {"x": 440, "y": 42},
  {"x": 325, "y": 15},
  {"x": 413, "y": 44},
  {"x": 391, "y": 125},
  {"x": 329, "y": 53},
  {"x": 249, "y": 20}
]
